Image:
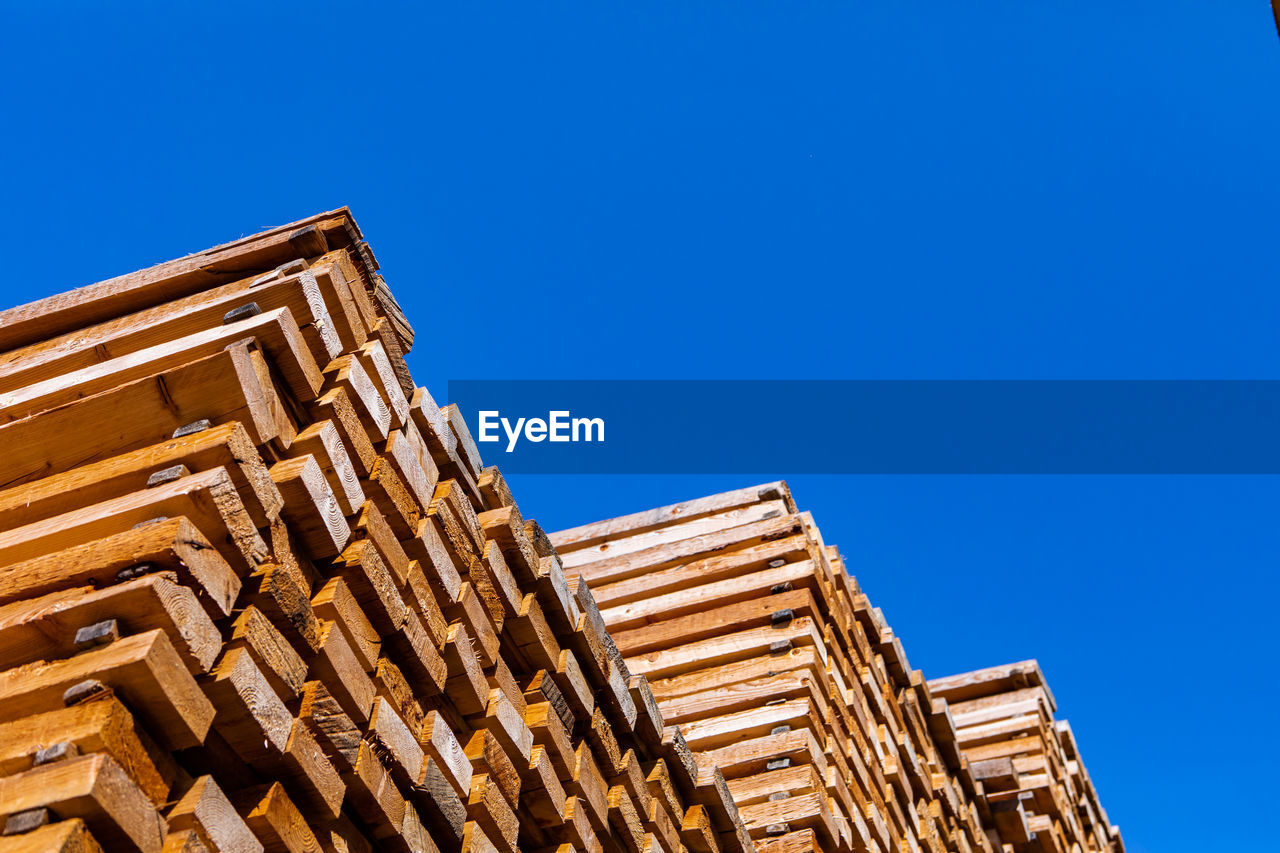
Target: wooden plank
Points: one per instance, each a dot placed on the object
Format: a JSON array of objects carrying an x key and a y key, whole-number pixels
[
  {"x": 275, "y": 332},
  {"x": 391, "y": 733},
  {"x": 251, "y": 716},
  {"x": 457, "y": 522},
  {"x": 685, "y": 533},
  {"x": 585, "y": 535},
  {"x": 374, "y": 586},
  {"x": 417, "y": 653},
  {"x": 124, "y": 294},
  {"x": 335, "y": 407},
  {"x": 996, "y": 679},
  {"x": 714, "y": 566},
  {"x": 434, "y": 425},
  {"x": 488, "y": 756},
  {"x": 104, "y": 727},
  {"x": 374, "y": 794},
  {"x": 339, "y": 279},
  {"x": 663, "y": 555},
  {"x": 414, "y": 834},
  {"x": 715, "y": 621},
  {"x": 466, "y": 685},
  {"x": 420, "y": 480},
  {"x": 323, "y": 441},
  {"x": 343, "y": 836},
  {"x": 225, "y": 446},
  {"x": 663, "y": 667},
  {"x": 427, "y": 547},
  {"x": 438, "y": 805},
  {"x": 470, "y": 611},
  {"x": 624, "y": 819},
  {"x": 577, "y": 826},
  {"x": 532, "y": 635},
  {"x": 208, "y": 500},
  {"x": 421, "y": 598},
  {"x": 221, "y": 388},
  {"x": 506, "y": 724},
  {"x": 278, "y": 661},
  {"x": 493, "y": 486},
  {"x": 308, "y": 773},
  {"x": 95, "y": 789},
  {"x": 550, "y": 733},
  {"x": 144, "y": 670},
  {"x": 67, "y": 836},
  {"x": 490, "y": 810},
  {"x": 442, "y": 745},
  {"x": 275, "y": 821},
  {"x": 373, "y": 357},
  {"x": 340, "y": 670},
  {"x": 396, "y": 503},
  {"x": 347, "y": 373},
  {"x": 335, "y": 603},
  {"x": 335, "y": 731},
  {"x": 302, "y": 293},
  {"x": 281, "y": 595},
  {"x": 505, "y": 526},
  {"x": 692, "y": 599},
  {"x": 310, "y": 506},
  {"x": 205, "y": 810},
  {"x": 45, "y": 627},
  {"x": 544, "y": 801},
  {"x": 467, "y": 448},
  {"x": 373, "y": 525},
  {"x": 696, "y": 831}
]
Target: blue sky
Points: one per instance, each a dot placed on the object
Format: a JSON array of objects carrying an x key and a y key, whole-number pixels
[{"x": 747, "y": 190}]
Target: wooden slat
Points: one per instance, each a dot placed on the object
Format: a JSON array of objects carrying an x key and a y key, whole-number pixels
[
  {"x": 124, "y": 294},
  {"x": 95, "y": 789},
  {"x": 143, "y": 670},
  {"x": 276, "y": 332},
  {"x": 220, "y": 388}
]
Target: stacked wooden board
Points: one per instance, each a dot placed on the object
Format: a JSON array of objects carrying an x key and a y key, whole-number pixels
[
  {"x": 258, "y": 593},
  {"x": 762, "y": 649},
  {"x": 1037, "y": 791}
]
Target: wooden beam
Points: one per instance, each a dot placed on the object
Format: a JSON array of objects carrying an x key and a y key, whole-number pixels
[
  {"x": 208, "y": 501},
  {"x": 45, "y": 627},
  {"x": 310, "y": 506},
  {"x": 67, "y": 836},
  {"x": 206, "y": 810},
  {"x": 225, "y": 446},
  {"x": 144, "y": 670},
  {"x": 275, "y": 332},
  {"x": 95, "y": 789},
  {"x": 221, "y": 388},
  {"x": 106, "y": 727},
  {"x": 125, "y": 294}
]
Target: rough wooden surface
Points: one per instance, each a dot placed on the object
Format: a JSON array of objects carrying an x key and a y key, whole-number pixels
[
  {"x": 259, "y": 592},
  {"x": 766, "y": 659}
]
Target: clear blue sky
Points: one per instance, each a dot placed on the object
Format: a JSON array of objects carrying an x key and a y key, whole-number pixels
[{"x": 860, "y": 190}]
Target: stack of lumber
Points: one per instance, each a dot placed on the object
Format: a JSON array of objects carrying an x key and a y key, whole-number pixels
[
  {"x": 258, "y": 593},
  {"x": 1039, "y": 796},
  {"x": 770, "y": 660},
  {"x": 762, "y": 649}
]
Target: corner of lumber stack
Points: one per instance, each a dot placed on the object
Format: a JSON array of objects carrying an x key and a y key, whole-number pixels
[
  {"x": 258, "y": 592},
  {"x": 771, "y": 665}
]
